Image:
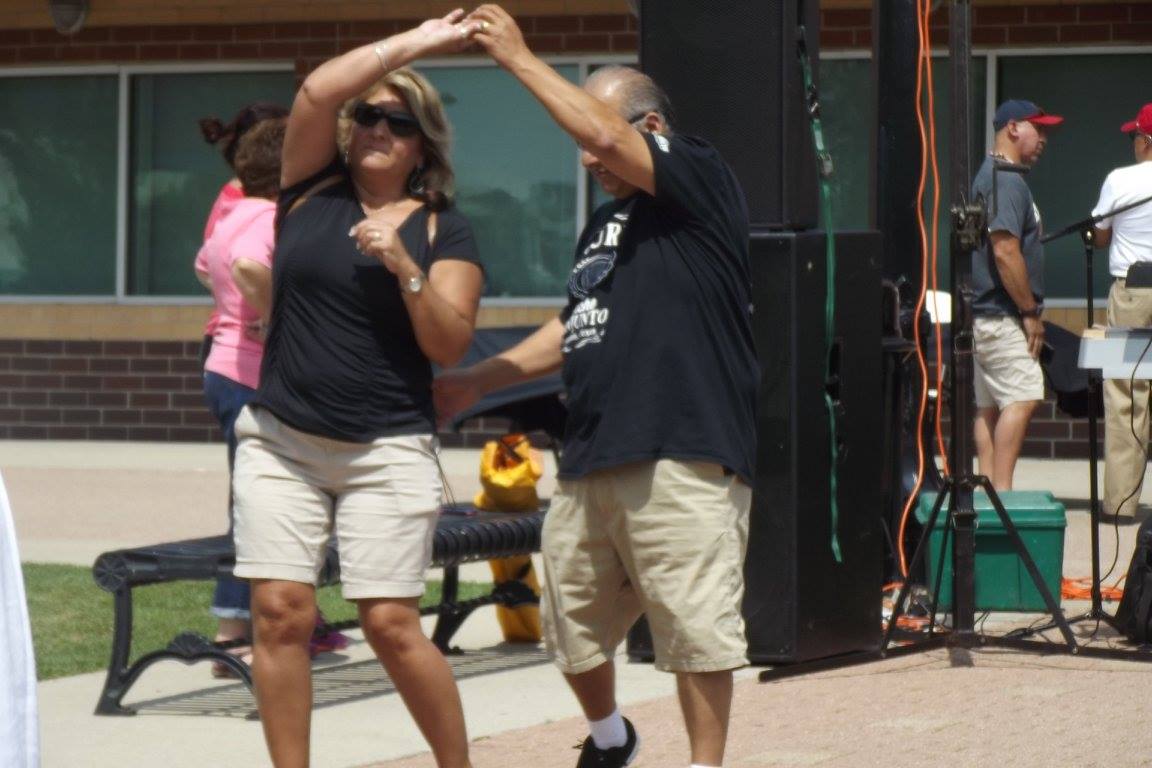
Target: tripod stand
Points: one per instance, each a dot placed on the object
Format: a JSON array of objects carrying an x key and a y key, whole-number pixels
[{"x": 1085, "y": 228}]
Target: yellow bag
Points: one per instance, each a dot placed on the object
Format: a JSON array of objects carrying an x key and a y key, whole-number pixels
[
  {"x": 520, "y": 623},
  {"x": 509, "y": 469}
]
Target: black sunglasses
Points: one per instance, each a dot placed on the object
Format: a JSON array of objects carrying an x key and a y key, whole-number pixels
[{"x": 401, "y": 124}]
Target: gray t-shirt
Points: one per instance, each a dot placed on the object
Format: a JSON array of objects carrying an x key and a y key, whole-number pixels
[{"x": 1017, "y": 214}]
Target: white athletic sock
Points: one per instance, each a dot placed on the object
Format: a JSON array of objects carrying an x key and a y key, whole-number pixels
[
  {"x": 609, "y": 732},
  {"x": 697, "y": 765}
]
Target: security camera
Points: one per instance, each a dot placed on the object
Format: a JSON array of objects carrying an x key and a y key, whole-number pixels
[{"x": 68, "y": 15}]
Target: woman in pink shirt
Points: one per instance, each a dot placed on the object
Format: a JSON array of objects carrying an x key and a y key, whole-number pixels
[
  {"x": 228, "y": 136},
  {"x": 235, "y": 263}
]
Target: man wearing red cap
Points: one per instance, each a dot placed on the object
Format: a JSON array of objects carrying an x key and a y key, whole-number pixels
[
  {"x": 1008, "y": 289},
  {"x": 1129, "y": 237}
]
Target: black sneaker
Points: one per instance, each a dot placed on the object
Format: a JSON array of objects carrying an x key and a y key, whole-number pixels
[{"x": 592, "y": 756}]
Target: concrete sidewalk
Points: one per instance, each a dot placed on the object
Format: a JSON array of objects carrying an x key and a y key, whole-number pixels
[{"x": 74, "y": 500}]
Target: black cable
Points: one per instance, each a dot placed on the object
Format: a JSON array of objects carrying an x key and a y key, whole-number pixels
[{"x": 1143, "y": 447}]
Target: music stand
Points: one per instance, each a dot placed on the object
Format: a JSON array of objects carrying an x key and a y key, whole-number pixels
[{"x": 1086, "y": 229}]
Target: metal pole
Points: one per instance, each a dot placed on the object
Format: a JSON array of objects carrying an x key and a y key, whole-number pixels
[
  {"x": 964, "y": 552},
  {"x": 1094, "y": 384}
]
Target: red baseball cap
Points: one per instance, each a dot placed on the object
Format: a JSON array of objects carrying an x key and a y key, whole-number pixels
[
  {"x": 1142, "y": 123},
  {"x": 1019, "y": 110}
]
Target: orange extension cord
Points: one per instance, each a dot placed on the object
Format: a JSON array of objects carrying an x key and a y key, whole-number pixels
[
  {"x": 1081, "y": 589},
  {"x": 929, "y": 256}
]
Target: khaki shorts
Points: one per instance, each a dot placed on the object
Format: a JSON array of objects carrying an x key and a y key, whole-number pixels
[
  {"x": 663, "y": 538},
  {"x": 1005, "y": 372},
  {"x": 291, "y": 489}
]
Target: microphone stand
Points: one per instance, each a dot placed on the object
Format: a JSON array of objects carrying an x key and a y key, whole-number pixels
[
  {"x": 1089, "y": 223},
  {"x": 1085, "y": 228}
]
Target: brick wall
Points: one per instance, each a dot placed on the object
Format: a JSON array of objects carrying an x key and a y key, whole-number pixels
[
  {"x": 104, "y": 13},
  {"x": 306, "y": 43},
  {"x": 1010, "y": 24},
  {"x": 309, "y": 43},
  {"x": 123, "y": 390},
  {"x": 1051, "y": 434},
  {"x": 102, "y": 390}
]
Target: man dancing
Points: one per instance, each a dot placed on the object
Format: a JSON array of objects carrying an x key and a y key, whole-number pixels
[{"x": 651, "y": 509}]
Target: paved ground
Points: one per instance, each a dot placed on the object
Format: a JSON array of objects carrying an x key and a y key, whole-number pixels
[{"x": 74, "y": 500}]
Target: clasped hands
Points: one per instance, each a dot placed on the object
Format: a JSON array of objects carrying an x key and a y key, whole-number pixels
[{"x": 489, "y": 26}]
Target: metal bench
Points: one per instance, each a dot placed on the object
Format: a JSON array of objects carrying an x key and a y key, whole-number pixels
[{"x": 463, "y": 535}]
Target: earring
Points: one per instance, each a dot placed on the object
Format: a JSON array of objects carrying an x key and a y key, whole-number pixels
[{"x": 416, "y": 181}]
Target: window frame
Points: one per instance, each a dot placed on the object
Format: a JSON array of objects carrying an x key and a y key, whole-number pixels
[
  {"x": 584, "y": 63},
  {"x": 127, "y": 72},
  {"x": 123, "y": 74},
  {"x": 95, "y": 70}
]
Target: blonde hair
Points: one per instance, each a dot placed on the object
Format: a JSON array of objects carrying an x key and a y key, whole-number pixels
[{"x": 434, "y": 182}]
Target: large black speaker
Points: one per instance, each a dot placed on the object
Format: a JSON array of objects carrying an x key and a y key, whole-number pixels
[
  {"x": 799, "y": 602},
  {"x": 731, "y": 70}
]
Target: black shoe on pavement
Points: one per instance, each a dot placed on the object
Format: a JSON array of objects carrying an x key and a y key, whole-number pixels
[{"x": 592, "y": 756}]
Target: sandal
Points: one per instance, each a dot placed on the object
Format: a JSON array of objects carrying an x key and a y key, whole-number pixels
[{"x": 222, "y": 671}]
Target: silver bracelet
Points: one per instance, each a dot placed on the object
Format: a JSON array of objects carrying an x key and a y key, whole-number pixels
[{"x": 379, "y": 50}]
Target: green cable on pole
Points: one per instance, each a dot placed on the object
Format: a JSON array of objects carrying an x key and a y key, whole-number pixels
[{"x": 824, "y": 158}]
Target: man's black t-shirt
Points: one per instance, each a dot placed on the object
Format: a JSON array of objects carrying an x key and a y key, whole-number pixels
[
  {"x": 341, "y": 360},
  {"x": 658, "y": 353}
]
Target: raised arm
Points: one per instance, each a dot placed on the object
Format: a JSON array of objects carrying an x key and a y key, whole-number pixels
[
  {"x": 593, "y": 123},
  {"x": 311, "y": 138}
]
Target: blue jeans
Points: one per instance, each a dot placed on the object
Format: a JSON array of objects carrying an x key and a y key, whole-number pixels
[{"x": 225, "y": 399}]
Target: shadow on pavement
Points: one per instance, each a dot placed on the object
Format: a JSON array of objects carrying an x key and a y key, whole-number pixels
[{"x": 337, "y": 684}]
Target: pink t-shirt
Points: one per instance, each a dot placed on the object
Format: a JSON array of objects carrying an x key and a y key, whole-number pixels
[
  {"x": 245, "y": 232},
  {"x": 225, "y": 201}
]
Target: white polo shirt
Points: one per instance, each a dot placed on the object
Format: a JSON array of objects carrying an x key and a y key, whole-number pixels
[{"x": 1132, "y": 229}]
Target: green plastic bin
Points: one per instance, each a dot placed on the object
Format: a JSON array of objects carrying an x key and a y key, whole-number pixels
[{"x": 1002, "y": 580}]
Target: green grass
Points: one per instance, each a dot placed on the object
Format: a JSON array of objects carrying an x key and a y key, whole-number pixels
[{"x": 72, "y": 617}]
